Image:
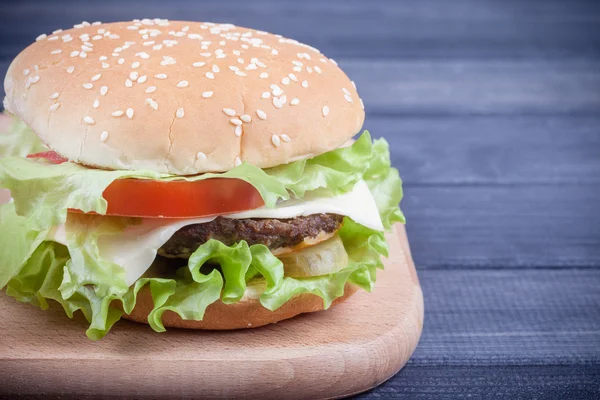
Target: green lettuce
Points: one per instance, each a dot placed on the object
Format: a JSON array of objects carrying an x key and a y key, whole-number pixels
[
  {"x": 18, "y": 140},
  {"x": 35, "y": 268},
  {"x": 44, "y": 192},
  {"x": 79, "y": 278}
]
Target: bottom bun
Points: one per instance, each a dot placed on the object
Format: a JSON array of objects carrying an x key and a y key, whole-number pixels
[{"x": 247, "y": 313}]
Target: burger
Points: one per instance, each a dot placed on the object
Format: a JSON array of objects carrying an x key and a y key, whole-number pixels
[{"x": 188, "y": 174}]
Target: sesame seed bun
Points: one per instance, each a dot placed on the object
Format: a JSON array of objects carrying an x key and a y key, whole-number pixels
[
  {"x": 181, "y": 97},
  {"x": 247, "y": 313}
]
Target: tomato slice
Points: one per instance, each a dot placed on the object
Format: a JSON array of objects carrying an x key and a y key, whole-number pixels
[
  {"x": 173, "y": 199},
  {"x": 180, "y": 199},
  {"x": 51, "y": 156}
]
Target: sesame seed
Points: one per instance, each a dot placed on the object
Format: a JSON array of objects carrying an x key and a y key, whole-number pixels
[
  {"x": 206, "y": 95},
  {"x": 117, "y": 113},
  {"x": 74, "y": 53},
  {"x": 114, "y": 36},
  {"x": 36, "y": 68},
  {"x": 105, "y": 65},
  {"x": 305, "y": 84},
  {"x": 97, "y": 37},
  {"x": 274, "y": 52},
  {"x": 198, "y": 64},
  {"x": 265, "y": 95},
  {"x": 161, "y": 76},
  {"x": 275, "y": 140},
  {"x": 277, "y": 102},
  {"x": 210, "y": 75},
  {"x": 83, "y": 54},
  {"x": 294, "y": 102},
  {"x": 348, "y": 98},
  {"x": 229, "y": 111},
  {"x": 362, "y": 104},
  {"x": 237, "y": 162},
  {"x": 96, "y": 103},
  {"x": 251, "y": 67},
  {"x": 41, "y": 37},
  {"x": 57, "y": 51},
  {"x": 103, "y": 136},
  {"x": 70, "y": 70},
  {"x": 263, "y": 75},
  {"x": 261, "y": 114},
  {"x": 151, "y": 89},
  {"x": 285, "y": 138},
  {"x": 215, "y": 68},
  {"x": 157, "y": 47},
  {"x": 333, "y": 61},
  {"x": 57, "y": 31},
  {"x": 54, "y": 107},
  {"x": 353, "y": 84},
  {"x": 121, "y": 61},
  {"x": 318, "y": 69},
  {"x": 325, "y": 111},
  {"x": 346, "y": 91},
  {"x": 238, "y": 131},
  {"x": 182, "y": 84},
  {"x": 26, "y": 72},
  {"x": 201, "y": 156},
  {"x": 205, "y": 54},
  {"x": 86, "y": 48},
  {"x": 128, "y": 83},
  {"x": 285, "y": 80},
  {"x": 180, "y": 113},
  {"x": 246, "y": 118},
  {"x": 297, "y": 63},
  {"x": 96, "y": 77},
  {"x": 129, "y": 113},
  {"x": 135, "y": 64},
  {"x": 235, "y": 121},
  {"x": 103, "y": 90},
  {"x": 293, "y": 77},
  {"x": 87, "y": 85},
  {"x": 152, "y": 103},
  {"x": 134, "y": 75},
  {"x": 240, "y": 73},
  {"x": 142, "y": 79},
  {"x": 89, "y": 120},
  {"x": 54, "y": 96}
]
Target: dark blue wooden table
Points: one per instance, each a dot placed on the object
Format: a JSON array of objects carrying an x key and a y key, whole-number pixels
[{"x": 492, "y": 109}]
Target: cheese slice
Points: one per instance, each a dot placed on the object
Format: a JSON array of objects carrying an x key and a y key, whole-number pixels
[{"x": 136, "y": 247}]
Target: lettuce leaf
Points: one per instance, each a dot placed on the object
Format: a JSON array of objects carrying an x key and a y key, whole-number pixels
[
  {"x": 77, "y": 277},
  {"x": 44, "y": 192},
  {"x": 18, "y": 140}
]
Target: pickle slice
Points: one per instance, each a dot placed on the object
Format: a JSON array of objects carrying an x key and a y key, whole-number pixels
[{"x": 321, "y": 259}]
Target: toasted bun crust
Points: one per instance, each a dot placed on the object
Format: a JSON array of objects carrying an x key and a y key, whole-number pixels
[
  {"x": 247, "y": 313},
  {"x": 179, "y": 81}
]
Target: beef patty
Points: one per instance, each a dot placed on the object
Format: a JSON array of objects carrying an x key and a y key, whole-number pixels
[{"x": 273, "y": 233}]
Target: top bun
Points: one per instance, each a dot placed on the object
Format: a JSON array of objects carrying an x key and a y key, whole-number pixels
[{"x": 181, "y": 97}]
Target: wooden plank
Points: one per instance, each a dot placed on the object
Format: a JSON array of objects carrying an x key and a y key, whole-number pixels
[
  {"x": 510, "y": 317},
  {"x": 430, "y": 88},
  {"x": 492, "y": 149},
  {"x": 461, "y": 29},
  {"x": 549, "y": 382},
  {"x": 348, "y": 349},
  {"x": 504, "y": 226}
]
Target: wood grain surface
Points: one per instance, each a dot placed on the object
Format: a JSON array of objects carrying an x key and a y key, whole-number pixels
[{"x": 345, "y": 350}]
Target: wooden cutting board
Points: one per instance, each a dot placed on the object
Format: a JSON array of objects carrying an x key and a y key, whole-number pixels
[{"x": 343, "y": 351}]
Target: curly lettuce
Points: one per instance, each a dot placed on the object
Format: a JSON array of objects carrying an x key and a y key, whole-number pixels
[
  {"x": 38, "y": 269},
  {"x": 44, "y": 192}
]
